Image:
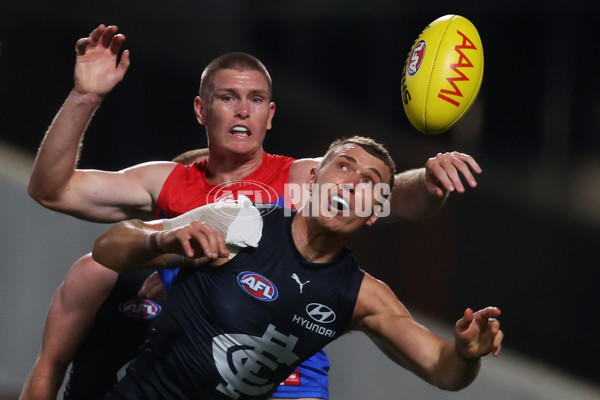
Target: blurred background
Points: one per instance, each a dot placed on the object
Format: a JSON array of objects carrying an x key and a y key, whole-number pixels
[{"x": 526, "y": 239}]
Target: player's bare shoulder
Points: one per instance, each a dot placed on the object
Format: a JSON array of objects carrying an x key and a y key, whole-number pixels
[{"x": 375, "y": 300}]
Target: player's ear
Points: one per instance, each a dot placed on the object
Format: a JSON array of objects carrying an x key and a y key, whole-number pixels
[
  {"x": 199, "y": 109},
  {"x": 312, "y": 177},
  {"x": 271, "y": 115}
]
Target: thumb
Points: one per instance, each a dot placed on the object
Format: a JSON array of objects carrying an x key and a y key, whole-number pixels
[{"x": 463, "y": 323}]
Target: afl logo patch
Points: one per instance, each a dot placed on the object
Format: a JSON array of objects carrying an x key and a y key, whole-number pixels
[
  {"x": 259, "y": 193},
  {"x": 139, "y": 308},
  {"x": 320, "y": 313},
  {"x": 257, "y": 286},
  {"x": 416, "y": 58}
]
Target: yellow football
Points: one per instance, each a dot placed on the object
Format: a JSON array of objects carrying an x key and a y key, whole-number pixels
[{"x": 442, "y": 74}]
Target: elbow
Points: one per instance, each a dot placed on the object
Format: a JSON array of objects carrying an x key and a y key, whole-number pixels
[
  {"x": 101, "y": 253},
  {"x": 454, "y": 384},
  {"x": 456, "y": 387},
  {"x": 42, "y": 196},
  {"x": 35, "y": 193}
]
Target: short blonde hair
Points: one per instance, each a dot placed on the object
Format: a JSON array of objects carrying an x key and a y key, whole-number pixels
[
  {"x": 236, "y": 60},
  {"x": 367, "y": 144}
]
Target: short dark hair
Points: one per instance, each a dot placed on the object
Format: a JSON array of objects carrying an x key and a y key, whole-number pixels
[
  {"x": 236, "y": 60},
  {"x": 370, "y": 146}
]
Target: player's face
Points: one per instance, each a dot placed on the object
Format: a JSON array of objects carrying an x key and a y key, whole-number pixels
[
  {"x": 237, "y": 112},
  {"x": 350, "y": 187}
]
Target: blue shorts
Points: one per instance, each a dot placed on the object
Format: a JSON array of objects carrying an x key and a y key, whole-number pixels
[{"x": 310, "y": 379}]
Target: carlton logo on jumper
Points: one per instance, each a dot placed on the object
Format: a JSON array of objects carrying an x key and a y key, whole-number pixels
[
  {"x": 139, "y": 308},
  {"x": 416, "y": 58},
  {"x": 257, "y": 286},
  {"x": 246, "y": 363}
]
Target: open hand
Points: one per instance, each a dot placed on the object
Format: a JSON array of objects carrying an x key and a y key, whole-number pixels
[
  {"x": 96, "y": 69},
  {"x": 443, "y": 172},
  {"x": 478, "y": 334}
]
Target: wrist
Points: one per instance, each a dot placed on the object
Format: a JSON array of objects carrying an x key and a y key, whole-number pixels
[
  {"x": 153, "y": 242},
  {"x": 463, "y": 357},
  {"x": 86, "y": 97}
]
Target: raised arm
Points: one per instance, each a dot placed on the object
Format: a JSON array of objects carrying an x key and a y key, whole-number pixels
[
  {"x": 447, "y": 365},
  {"x": 55, "y": 181},
  {"x": 420, "y": 193}
]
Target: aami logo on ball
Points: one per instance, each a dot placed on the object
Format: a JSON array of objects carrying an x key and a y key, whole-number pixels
[
  {"x": 257, "y": 286},
  {"x": 463, "y": 62},
  {"x": 139, "y": 308},
  {"x": 416, "y": 58}
]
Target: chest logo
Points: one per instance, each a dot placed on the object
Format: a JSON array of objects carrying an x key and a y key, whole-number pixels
[
  {"x": 320, "y": 313},
  {"x": 139, "y": 308},
  {"x": 295, "y": 277},
  {"x": 259, "y": 193},
  {"x": 257, "y": 286},
  {"x": 246, "y": 363}
]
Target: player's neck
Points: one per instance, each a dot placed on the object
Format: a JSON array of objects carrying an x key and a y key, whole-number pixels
[
  {"x": 226, "y": 168},
  {"x": 316, "y": 244}
]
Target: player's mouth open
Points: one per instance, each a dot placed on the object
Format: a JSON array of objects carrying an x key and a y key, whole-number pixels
[
  {"x": 240, "y": 131},
  {"x": 339, "y": 203}
]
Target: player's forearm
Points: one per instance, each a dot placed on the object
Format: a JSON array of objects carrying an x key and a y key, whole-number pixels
[
  {"x": 126, "y": 247},
  {"x": 454, "y": 372},
  {"x": 58, "y": 154},
  {"x": 410, "y": 198},
  {"x": 42, "y": 385}
]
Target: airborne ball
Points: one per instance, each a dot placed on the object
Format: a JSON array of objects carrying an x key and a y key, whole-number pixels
[{"x": 442, "y": 74}]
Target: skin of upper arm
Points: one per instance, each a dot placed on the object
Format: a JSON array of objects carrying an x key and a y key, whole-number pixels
[
  {"x": 74, "y": 306},
  {"x": 388, "y": 323},
  {"x": 70, "y": 317},
  {"x": 103, "y": 196}
]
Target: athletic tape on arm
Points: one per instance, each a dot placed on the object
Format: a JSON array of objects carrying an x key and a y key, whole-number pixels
[{"x": 238, "y": 221}]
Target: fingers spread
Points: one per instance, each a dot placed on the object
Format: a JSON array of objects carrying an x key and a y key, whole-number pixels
[
  {"x": 97, "y": 33},
  {"x": 107, "y": 35}
]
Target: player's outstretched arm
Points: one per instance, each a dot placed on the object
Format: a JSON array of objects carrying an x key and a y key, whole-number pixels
[
  {"x": 447, "y": 365},
  {"x": 134, "y": 244},
  {"x": 55, "y": 182},
  {"x": 420, "y": 193},
  {"x": 71, "y": 315}
]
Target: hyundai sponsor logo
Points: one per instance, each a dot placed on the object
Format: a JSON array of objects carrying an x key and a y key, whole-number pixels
[{"x": 320, "y": 313}]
